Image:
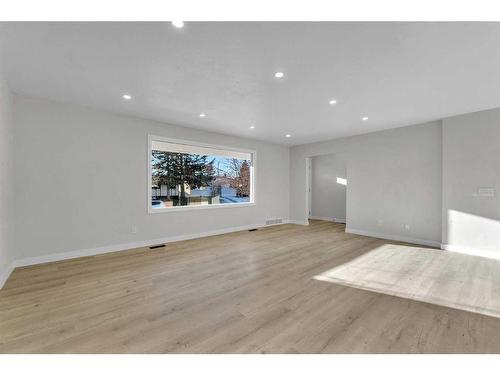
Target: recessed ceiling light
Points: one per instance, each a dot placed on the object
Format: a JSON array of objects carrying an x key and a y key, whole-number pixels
[
  {"x": 333, "y": 101},
  {"x": 252, "y": 127},
  {"x": 288, "y": 135},
  {"x": 127, "y": 97},
  {"x": 202, "y": 115},
  {"x": 178, "y": 24},
  {"x": 364, "y": 118},
  {"x": 279, "y": 74}
]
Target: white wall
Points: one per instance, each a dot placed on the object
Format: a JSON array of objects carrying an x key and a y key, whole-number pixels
[
  {"x": 68, "y": 159},
  {"x": 81, "y": 180},
  {"x": 471, "y": 160},
  {"x": 394, "y": 178},
  {"x": 328, "y": 197},
  {"x": 6, "y": 181}
]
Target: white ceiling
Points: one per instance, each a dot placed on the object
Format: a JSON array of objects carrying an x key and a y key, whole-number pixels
[{"x": 397, "y": 74}]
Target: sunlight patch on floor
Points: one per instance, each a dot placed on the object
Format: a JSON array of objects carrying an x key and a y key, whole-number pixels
[{"x": 459, "y": 281}]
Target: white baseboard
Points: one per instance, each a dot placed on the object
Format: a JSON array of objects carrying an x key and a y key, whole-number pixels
[
  {"x": 119, "y": 247},
  {"x": 470, "y": 251},
  {"x": 5, "y": 274},
  {"x": 324, "y": 218},
  {"x": 394, "y": 237},
  {"x": 299, "y": 222}
]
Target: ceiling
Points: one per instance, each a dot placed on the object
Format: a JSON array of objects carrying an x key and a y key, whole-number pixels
[{"x": 395, "y": 74}]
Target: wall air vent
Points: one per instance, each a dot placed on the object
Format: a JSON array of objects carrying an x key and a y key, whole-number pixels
[{"x": 274, "y": 221}]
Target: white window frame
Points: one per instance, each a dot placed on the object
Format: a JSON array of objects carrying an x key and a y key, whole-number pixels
[{"x": 151, "y": 210}]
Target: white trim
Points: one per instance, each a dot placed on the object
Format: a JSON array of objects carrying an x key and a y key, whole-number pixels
[
  {"x": 470, "y": 251},
  {"x": 5, "y": 275},
  {"x": 201, "y": 207},
  {"x": 127, "y": 246},
  {"x": 324, "y": 218},
  {"x": 299, "y": 222},
  {"x": 151, "y": 210},
  {"x": 394, "y": 237},
  {"x": 308, "y": 208},
  {"x": 160, "y": 138}
]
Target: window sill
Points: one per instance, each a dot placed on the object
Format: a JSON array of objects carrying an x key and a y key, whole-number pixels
[{"x": 191, "y": 208}]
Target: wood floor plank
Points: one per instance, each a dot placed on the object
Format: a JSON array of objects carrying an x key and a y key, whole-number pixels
[{"x": 244, "y": 292}]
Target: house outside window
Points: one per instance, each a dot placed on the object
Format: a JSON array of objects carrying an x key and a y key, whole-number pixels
[{"x": 190, "y": 175}]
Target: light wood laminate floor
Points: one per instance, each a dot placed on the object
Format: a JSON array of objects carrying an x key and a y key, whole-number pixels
[{"x": 245, "y": 292}]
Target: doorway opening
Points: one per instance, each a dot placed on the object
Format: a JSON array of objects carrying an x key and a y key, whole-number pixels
[{"x": 327, "y": 188}]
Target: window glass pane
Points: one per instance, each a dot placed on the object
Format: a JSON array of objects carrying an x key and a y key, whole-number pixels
[{"x": 186, "y": 175}]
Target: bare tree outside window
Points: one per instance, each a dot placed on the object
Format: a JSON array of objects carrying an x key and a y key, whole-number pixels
[{"x": 191, "y": 179}]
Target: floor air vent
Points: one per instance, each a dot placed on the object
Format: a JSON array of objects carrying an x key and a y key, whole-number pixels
[{"x": 156, "y": 247}]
